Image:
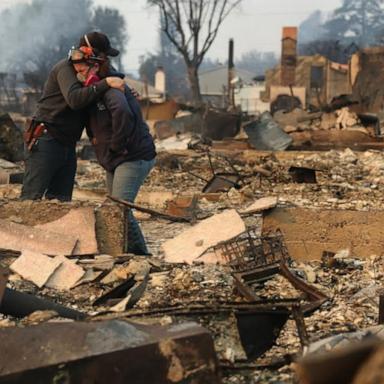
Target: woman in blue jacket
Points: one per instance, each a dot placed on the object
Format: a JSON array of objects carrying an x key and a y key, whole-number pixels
[{"x": 122, "y": 141}]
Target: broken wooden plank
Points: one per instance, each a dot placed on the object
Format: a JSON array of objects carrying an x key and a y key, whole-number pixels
[
  {"x": 192, "y": 243},
  {"x": 18, "y": 237},
  {"x": 35, "y": 267},
  {"x": 66, "y": 276},
  {"x": 83, "y": 230}
]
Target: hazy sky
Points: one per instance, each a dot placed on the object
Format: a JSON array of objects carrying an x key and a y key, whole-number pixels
[{"x": 255, "y": 25}]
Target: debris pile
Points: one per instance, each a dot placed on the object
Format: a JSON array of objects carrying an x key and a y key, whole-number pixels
[{"x": 286, "y": 242}]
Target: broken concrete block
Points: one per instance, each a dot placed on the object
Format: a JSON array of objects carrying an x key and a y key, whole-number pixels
[
  {"x": 79, "y": 223},
  {"x": 196, "y": 240},
  {"x": 35, "y": 267},
  {"x": 20, "y": 237},
  {"x": 66, "y": 276},
  {"x": 260, "y": 205}
]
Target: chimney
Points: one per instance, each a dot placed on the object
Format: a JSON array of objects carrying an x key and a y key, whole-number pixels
[
  {"x": 231, "y": 74},
  {"x": 288, "y": 56},
  {"x": 160, "y": 80}
]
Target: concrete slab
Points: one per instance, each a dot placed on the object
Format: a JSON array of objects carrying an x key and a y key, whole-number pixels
[
  {"x": 260, "y": 205},
  {"x": 192, "y": 243},
  {"x": 80, "y": 223},
  {"x": 309, "y": 232},
  {"x": 35, "y": 267},
  {"x": 66, "y": 276},
  {"x": 20, "y": 237}
]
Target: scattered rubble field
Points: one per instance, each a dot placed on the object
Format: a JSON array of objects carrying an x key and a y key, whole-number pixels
[{"x": 331, "y": 244}]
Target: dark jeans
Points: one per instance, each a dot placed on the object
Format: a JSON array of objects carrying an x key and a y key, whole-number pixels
[
  {"x": 124, "y": 184},
  {"x": 50, "y": 170}
]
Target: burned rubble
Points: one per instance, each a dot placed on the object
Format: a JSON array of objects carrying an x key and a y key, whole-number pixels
[
  {"x": 266, "y": 239},
  {"x": 231, "y": 286}
]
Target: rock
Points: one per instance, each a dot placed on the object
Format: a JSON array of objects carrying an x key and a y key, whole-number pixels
[
  {"x": 38, "y": 317},
  {"x": 159, "y": 279}
]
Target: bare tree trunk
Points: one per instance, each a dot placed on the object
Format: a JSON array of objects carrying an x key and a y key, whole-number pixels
[{"x": 195, "y": 86}]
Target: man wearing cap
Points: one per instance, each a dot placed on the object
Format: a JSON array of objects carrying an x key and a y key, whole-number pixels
[{"x": 50, "y": 160}]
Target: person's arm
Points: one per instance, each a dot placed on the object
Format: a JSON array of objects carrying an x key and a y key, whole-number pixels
[
  {"x": 122, "y": 119},
  {"x": 77, "y": 96}
]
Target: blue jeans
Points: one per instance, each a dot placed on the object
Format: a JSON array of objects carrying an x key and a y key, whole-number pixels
[
  {"x": 124, "y": 183},
  {"x": 50, "y": 170}
]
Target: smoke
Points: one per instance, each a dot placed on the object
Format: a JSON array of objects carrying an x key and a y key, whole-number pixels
[
  {"x": 313, "y": 27},
  {"x": 33, "y": 36}
]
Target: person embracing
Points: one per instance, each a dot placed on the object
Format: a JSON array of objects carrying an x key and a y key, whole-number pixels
[
  {"x": 123, "y": 144},
  {"x": 50, "y": 139}
]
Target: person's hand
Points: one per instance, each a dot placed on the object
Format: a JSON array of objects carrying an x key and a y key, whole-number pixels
[
  {"x": 115, "y": 82},
  {"x": 135, "y": 93}
]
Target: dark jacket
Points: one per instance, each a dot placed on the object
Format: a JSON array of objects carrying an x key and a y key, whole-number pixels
[
  {"x": 121, "y": 134},
  {"x": 63, "y": 101}
]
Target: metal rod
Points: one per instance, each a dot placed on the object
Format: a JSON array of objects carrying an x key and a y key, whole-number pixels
[
  {"x": 381, "y": 306},
  {"x": 149, "y": 210},
  {"x": 297, "y": 314}
]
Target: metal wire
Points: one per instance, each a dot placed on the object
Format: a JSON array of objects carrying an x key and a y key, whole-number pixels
[{"x": 250, "y": 250}]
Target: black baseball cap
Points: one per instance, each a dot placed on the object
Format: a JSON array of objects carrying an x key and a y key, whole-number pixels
[{"x": 99, "y": 42}]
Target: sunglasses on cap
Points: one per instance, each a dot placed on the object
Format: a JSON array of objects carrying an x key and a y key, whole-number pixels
[{"x": 83, "y": 55}]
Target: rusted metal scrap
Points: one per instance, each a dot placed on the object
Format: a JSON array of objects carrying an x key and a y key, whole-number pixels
[
  {"x": 132, "y": 289},
  {"x": 266, "y": 134},
  {"x": 220, "y": 181},
  {"x": 254, "y": 259},
  {"x": 258, "y": 323},
  {"x": 108, "y": 352}
]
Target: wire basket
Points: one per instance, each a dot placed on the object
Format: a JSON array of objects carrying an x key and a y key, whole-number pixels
[{"x": 249, "y": 250}]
